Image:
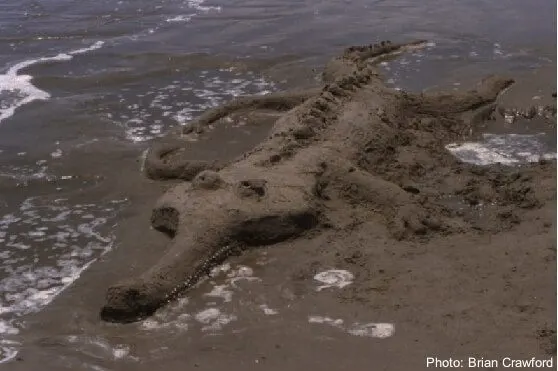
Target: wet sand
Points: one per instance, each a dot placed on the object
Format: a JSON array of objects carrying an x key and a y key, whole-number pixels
[{"x": 487, "y": 293}]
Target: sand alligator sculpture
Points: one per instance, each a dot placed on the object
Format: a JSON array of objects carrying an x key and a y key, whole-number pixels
[{"x": 353, "y": 142}]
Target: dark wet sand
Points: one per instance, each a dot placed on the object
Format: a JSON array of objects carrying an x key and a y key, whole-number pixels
[{"x": 484, "y": 295}]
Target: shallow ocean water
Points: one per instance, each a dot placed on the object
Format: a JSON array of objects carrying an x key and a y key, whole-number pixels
[{"x": 107, "y": 74}]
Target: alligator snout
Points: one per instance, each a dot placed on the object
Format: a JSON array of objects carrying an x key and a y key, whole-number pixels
[{"x": 129, "y": 303}]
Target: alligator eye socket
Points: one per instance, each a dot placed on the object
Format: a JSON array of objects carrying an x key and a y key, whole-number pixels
[{"x": 254, "y": 186}]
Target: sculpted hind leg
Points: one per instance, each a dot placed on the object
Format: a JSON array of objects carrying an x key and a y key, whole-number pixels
[
  {"x": 402, "y": 212},
  {"x": 486, "y": 92}
]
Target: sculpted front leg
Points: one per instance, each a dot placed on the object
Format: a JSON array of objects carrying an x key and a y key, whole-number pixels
[
  {"x": 168, "y": 159},
  {"x": 355, "y": 58},
  {"x": 402, "y": 214},
  {"x": 280, "y": 102},
  {"x": 486, "y": 93}
]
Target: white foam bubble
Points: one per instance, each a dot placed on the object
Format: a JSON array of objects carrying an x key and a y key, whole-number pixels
[
  {"x": 150, "y": 324},
  {"x": 242, "y": 273},
  {"x": 99, "y": 347},
  {"x": 219, "y": 269},
  {"x": 18, "y": 90},
  {"x": 25, "y": 173},
  {"x": 197, "y": 4},
  {"x": 94, "y": 46},
  {"x": 267, "y": 310},
  {"x": 180, "y": 101},
  {"x": 120, "y": 351},
  {"x": 57, "y": 153},
  {"x": 181, "y": 18},
  {"x": 326, "y": 320},
  {"x": 31, "y": 281},
  {"x": 334, "y": 278},
  {"x": 375, "y": 330},
  {"x": 26, "y": 93},
  {"x": 221, "y": 291},
  {"x": 143, "y": 158},
  {"x": 207, "y": 315},
  {"x": 213, "y": 319},
  {"x": 8, "y": 350},
  {"x": 497, "y": 49},
  {"x": 225, "y": 291},
  {"x": 480, "y": 154},
  {"x": 6, "y": 328},
  {"x": 506, "y": 149}
]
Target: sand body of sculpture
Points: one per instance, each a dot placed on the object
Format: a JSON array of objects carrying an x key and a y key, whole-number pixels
[{"x": 352, "y": 143}]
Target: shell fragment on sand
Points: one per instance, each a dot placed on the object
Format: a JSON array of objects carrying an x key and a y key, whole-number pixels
[{"x": 334, "y": 278}]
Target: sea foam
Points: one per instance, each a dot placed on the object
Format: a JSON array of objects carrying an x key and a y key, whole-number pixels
[
  {"x": 39, "y": 262},
  {"x": 506, "y": 149},
  {"x": 17, "y": 89}
]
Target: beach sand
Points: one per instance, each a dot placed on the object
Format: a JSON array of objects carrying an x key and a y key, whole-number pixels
[{"x": 489, "y": 292}]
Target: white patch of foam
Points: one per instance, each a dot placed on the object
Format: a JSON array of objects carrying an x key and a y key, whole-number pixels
[
  {"x": 242, "y": 273},
  {"x": 373, "y": 330},
  {"x": 181, "y": 18},
  {"x": 6, "y": 329},
  {"x": 506, "y": 149},
  {"x": 213, "y": 319},
  {"x": 326, "y": 320},
  {"x": 17, "y": 90},
  {"x": 334, "y": 278},
  {"x": 58, "y": 249},
  {"x": 26, "y": 173},
  {"x": 208, "y": 315},
  {"x": 197, "y": 4},
  {"x": 376, "y": 330},
  {"x": 150, "y": 324},
  {"x": 143, "y": 158},
  {"x": 149, "y": 114},
  {"x": 267, "y": 310},
  {"x": 221, "y": 291},
  {"x": 120, "y": 351},
  {"x": 25, "y": 299},
  {"x": 221, "y": 268},
  {"x": 497, "y": 49},
  {"x": 174, "y": 316},
  {"x": 57, "y": 153},
  {"x": 8, "y": 350},
  {"x": 99, "y": 347},
  {"x": 480, "y": 154}
]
